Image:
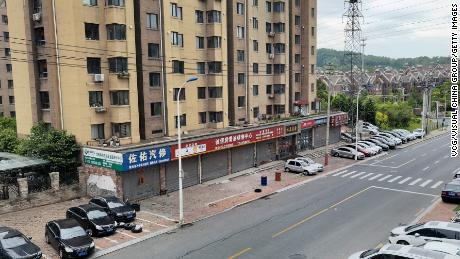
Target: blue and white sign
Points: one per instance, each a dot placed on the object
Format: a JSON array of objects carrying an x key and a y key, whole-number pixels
[
  {"x": 321, "y": 121},
  {"x": 146, "y": 157}
]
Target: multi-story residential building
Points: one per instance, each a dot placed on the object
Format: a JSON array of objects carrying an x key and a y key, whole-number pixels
[{"x": 7, "y": 98}]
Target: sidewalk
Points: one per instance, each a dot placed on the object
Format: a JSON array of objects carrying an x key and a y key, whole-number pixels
[{"x": 440, "y": 212}]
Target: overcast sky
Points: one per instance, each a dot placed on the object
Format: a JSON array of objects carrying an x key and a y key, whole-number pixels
[{"x": 398, "y": 28}]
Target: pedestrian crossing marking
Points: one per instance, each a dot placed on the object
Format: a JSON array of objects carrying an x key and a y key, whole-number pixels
[
  {"x": 416, "y": 181},
  {"x": 375, "y": 177},
  {"x": 342, "y": 172},
  {"x": 358, "y": 174},
  {"x": 394, "y": 179},
  {"x": 384, "y": 178},
  {"x": 405, "y": 180},
  {"x": 425, "y": 183},
  {"x": 436, "y": 184},
  {"x": 367, "y": 175},
  {"x": 350, "y": 173}
]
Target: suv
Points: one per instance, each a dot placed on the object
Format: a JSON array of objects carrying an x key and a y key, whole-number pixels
[
  {"x": 311, "y": 162},
  {"x": 297, "y": 166},
  {"x": 419, "y": 234},
  {"x": 400, "y": 252}
]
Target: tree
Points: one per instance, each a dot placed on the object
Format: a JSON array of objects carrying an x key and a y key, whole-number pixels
[
  {"x": 53, "y": 145},
  {"x": 8, "y": 140},
  {"x": 382, "y": 120},
  {"x": 368, "y": 110},
  {"x": 7, "y": 123},
  {"x": 322, "y": 93}
]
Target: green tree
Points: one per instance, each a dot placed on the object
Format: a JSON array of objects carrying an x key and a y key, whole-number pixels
[
  {"x": 368, "y": 110},
  {"x": 382, "y": 120},
  {"x": 7, "y": 123},
  {"x": 322, "y": 94},
  {"x": 8, "y": 140}
]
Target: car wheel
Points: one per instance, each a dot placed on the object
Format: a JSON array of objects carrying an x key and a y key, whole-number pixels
[
  {"x": 306, "y": 172},
  {"x": 47, "y": 239},
  {"x": 444, "y": 199},
  {"x": 402, "y": 242},
  {"x": 286, "y": 169},
  {"x": 90, "y": 232},
  {"x": 335, "y": 154}
]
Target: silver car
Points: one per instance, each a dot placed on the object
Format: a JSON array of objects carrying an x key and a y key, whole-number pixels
[
  {"x": 346, "y": 152},
  {"x": 293, "y": 165},
  {"x": 311, "y": 162}
]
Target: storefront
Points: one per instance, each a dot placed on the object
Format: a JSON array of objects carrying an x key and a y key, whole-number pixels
[
  {"x": 265, "y": 152},
  {"x": 287, "y": 146},
  {"x": 141, "y": 183},
  {"x": 305, "y": 137},
  {"x": 214, "y": 165},
  {"x": 242, "y": 158},
  {"x": 191, "y": 175}
]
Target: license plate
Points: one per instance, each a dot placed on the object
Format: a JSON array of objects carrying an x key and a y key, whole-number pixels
[
  {"x": 83, "y": 253},
  {"x": 129, "y": 216},
  {"x": 451, "y": 193}
]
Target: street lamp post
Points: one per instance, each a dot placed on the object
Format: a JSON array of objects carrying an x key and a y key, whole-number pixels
[
  {"x": 326, "y": 155},
  {"x": 179, "y": 145},
  {"x": 357, "y": 120}
]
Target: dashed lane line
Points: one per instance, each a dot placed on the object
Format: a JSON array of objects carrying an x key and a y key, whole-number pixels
[
  {"x": 375, "y": 177},
  {"x": 394, "y": 179},
  {"x": 426, "y": 168},
  {"x": 416, "y": 181},
  {"x": 384, "y": 178},
  {"x": 367, "y": 175},
  {"x": 405, "y": 180},
  {"x": 358, "y": 174},
  {"x": 436, "y": 185},
  {"x": 350, "y": 173},
  {"x": 339, "y": 173},
  {"x": 425, "y": 183}
]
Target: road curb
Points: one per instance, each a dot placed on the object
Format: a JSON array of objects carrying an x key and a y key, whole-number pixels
[{"x": 426, "y": 211}]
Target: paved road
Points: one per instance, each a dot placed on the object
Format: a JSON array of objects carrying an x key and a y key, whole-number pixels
[{"x": 330, "y": 217}]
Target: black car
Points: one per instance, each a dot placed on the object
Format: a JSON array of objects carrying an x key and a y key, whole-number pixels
[
  {"x": 451, "y": 192},
  {"x": 93, "y": 219},
  {"x": 68, "y": 238},
  {"x": 118, "y": 210},
  {"x": 13, "y": 244}
]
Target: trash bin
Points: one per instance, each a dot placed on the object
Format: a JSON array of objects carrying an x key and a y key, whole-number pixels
[
  {"x": 263, "y": 180},
  {"x": 278, "y": 176}
]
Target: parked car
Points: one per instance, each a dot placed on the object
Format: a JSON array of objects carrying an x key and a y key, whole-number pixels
[
  {"x": 311, "y": 162},
  {"x": 384, "y": 147},
  {"x": 451, "y": 191},
  {"x": 347, "y": 137},
  {"x": 398, "y": 135},
  {"x": 419, "y": 133},
  {"x": 400, "y": 252},
  {"x": 370, "y": 125},
  {"x": 117, "y": 209},
  {"x": 398, "y": 141},
  {"x": 347, "y": 152},
  {"x": 371, "y": 145},
  {"x": 93, "y": 219},
  {"x": 13, "y": 244},
  {"x": 442, "y": 247},
  {"x": 370, "y": 130},
  {"x": 293, "y": 165},
  {"x": 68, "y": 238},
  {"x": 366, "y": 151},
  {"x": 389, "y": 141},
  {"x": 409, "y": 134},
  {"x": 420, "y": 233},
  {"x": 457, "y": 174}
]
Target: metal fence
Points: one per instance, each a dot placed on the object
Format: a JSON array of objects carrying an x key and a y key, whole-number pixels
[
  {"x": 9, "y": 188},
  {"x": 68, "y": 178},
  {"x": 38, "y": 182}
]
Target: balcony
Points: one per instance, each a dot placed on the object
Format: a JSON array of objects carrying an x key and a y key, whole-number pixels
[
  {"x": 215, "y": 104},
  {"x": 279, "y": 99},
  {"x": 120, "y": 114},
  {"x": 114, "y": 14}
]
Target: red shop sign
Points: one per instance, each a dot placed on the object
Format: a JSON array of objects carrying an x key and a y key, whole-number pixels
[
  {"x": 307, "y": 124},
  {"x": 225, "y": 142}
]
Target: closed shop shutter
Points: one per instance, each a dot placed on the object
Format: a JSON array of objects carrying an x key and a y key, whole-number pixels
[
  {"x": 190, "y": 167},
  {"x": 334, "y": 135},
  {"x": 320, "y": 136},
  {"x": 141, "y": 183},
  {"x": 214, "y": 165},
  {"x": 304, "y": 139},
  {"x": 242, "y": 158},
  {"x": 266, "y": 152}
]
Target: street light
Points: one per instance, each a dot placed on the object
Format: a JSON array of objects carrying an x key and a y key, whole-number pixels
[
  {"x": 329, "y": 89},
  {"x": 179, "y": 145},
  {"x": 357, "y": 115}
]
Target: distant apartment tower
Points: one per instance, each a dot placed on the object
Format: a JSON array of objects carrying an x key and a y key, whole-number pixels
[{"x": 7, "y": 99}]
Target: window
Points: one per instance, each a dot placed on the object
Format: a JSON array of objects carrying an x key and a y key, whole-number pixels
[
  {"x": 268, "y": 5},
  {"x": 213, "y": 16},
  {"x": 178, "y": 66},
  {"x": 183, "y": 120},
  {"x": 93, "y": 65},
  {"x": 10, "y": 84},
  {"x": 312, "y": 87},
  {"x": 118, "y": 65},
  {"x": 44, "y": 100},
  {"x": 42, "y": 68},
  {"x": 119, "y": 97},
  {"x": 297, "y": 20},
  {"x": 268, "y": 89},
  {"x": 177, "y": 39},
  {"x": 255, "y": 90},
  {"x": 297, "y": 77},
  {"x": 278, "y": 89},
  {"x": 269, "y": 69},
  {"x": 12, "y": 114},
  {"x": 297, "y": 2},
  {"x": 214, "y": 92},
  {"x": 201, "y": 68},
  {"x": 155, "y": 109},
  {"x": 11, "y": 99},
  {"x": 96, "y": 99},
  {"x": 313, "y": 31},
  {"x": 241, "y": 78},
  {"x": 6, "y": 36},
  {"x": 268, "y": 48},
  {"x": 202, "y": 117},
  {"x": 97, "y": 131},
  {"x": 7, "y": 52},
  {"x": 241, "y": 101},
  {"x": 154, "y": 79},
  {"x": 445, "y": 233},
  {"x": 255, "y": 68},
  {"x": 297, "y": 58},
  {"x": 176, "y": 11},
  {"x": 5, "y": 19},
  {"x": 90, "y": 2},
  {"x": 255, "y": 111},
  {"x": 214, "y": 67},
  {"x": 9, "y": 68},
  {"x": 214, "y": 42},
  {"x": 199, "y": 16},
  {"x": 154, "y": 50},
  {"x": 312, "y": 51},
  {"x": 240, "y": 55},
  {"x": 199, "y": 42},
  {"x": 312, "y": 69},
  {"x": 279, "y": 109},
  {"x": 92, "y": 31},
  {"x": 297, "y": 39},
  {"x": 255, "y": 2},
  {"x": 278, "y": 7},
  {"x": 121, "y": 130},
  {"x": 255, "y": 23},
  {"x": 240, "y": 8},
  {"x": 268, "y": 27},
  {"x": 240, "y": 32},
  {"x": 312, "y": 12},
  {"x": 278, "y": 27},
  {"x": 182, "y": 94},
  {"x": 116, "y": 31},
  {"x": 255, "y": 45},
  {"x": 39, "y": 36},
  {"x": 201, "y": 92},
  {"x": 279, "y": 48},
  {"x": 278, "y": 68},
  {"x": 1, "y": 101},
  {"x": 216, "y": 117},
  {"x": 115, "y": 2},
  {"x": 296, "y": 96},
  {"x": 152, "y": 21},
  {"x": 268, "y": 110},
  {"x": 426, "y": 232}
]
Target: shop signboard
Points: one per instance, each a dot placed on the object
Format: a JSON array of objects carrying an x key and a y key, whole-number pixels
[
  {"x": 307, "y": 124},
  {"x": 339, "y": 119},
  {"x": 291, "y": 129},
  {"x": 321, "y": 121},
  {"x": 145, "y": 158},
  {"x": 102, "y": 158}
]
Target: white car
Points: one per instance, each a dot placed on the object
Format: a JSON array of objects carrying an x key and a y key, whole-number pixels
[
  {"x": 400, "y": 252},
  {"x": 419, "y": 133},
  {"x": 421, "y": 233},
  {"x": 442, "y": 247},
  {"x": 311, "y": 162},
  {"x": 293, "y": 165},
  {"x": 370, "y": 130},
  {"x": 372, "y": 146},
  {"x": 370, "y": 125}
]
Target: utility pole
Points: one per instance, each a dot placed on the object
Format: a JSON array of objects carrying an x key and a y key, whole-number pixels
[
  {"x": 329, "y": 70},
  {"x": 353, "y": 39},
  {"x": 363, "y": 74}
]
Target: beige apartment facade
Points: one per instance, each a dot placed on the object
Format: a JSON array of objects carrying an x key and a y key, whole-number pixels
[{"x": 7, "y": 99}]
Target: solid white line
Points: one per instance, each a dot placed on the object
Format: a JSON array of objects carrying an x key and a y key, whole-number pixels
[
  {"x": 367, "y": 175},
  {"x": 158, "y": 215},
  {"x": 384, "y": 178},
  {"x": 412, "y": 160},
  {"x": 148, "y": 221},
  {"x": 394, "y": 179},
  {"x": 397, "y": 190},
  {"x": 339, "y": 173},
  {"x": 383, "y": 159},
  {"x": 416, "y": 181},
  {"x": 219, "y": 200},
  {"x": 350, "y": 173},
  {"x": 358, "y": 174},
  {"x": 111, "y": 240},
  {"x": 436, "y": 184},
  {"x": 128, "y": 235},
  {"x": 374, "y": 177},
  {"x": 405, "y": 180},
  {"x": 426, "y": 168},
  {"x": 425, "y": 183}
]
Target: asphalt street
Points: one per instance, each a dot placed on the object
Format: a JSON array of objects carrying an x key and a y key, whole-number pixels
[{"x": 331, "y": 217}]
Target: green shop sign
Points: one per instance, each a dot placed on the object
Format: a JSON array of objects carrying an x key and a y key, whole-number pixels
[{"x": 103, "y": 158}]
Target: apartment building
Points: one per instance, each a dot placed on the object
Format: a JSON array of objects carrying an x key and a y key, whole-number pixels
[{"x": 7, "y": 98}]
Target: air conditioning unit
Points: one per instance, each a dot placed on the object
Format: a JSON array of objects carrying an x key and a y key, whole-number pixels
[
  {"x": 37, "y": 17},
  {"x": 271, "y": 34},
  {"x": 98, "y": 78},
  {"x": 271, "y": 56},
  {"x": 271, "y": 96},
  {"x": 123, "y": 75},
  {"x": 100, "y": 109}
]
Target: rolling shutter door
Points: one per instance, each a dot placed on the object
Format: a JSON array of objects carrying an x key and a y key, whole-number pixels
[
  {"x": 334, "y": 135},
  {"x": 190, "y": 167},
  {"x": 214, "y": 165},
  {"x": 242, "y": 158},
  {"x": 266, "y": 152},
  {"x": 141, "y": 183},
  {"x": 320, "y": 136}
]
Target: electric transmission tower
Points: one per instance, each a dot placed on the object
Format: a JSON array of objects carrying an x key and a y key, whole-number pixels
[{"x": 353, "y": 56}]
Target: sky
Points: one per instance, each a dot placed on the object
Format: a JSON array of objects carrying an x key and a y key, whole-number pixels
[{"x": 396, "y": 29}]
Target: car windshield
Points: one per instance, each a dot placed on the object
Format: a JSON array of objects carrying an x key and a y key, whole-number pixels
[
  {"x": 303, "y": 164},
  {"x": 368, "y": 253},
  {"x": 308, "y": 160},
  {"x": 453, "y": 187},
  {"x": 95, "y": 214},
  {"x": 115, "y": 204},
  {"x": 73, "y": 232},
  {"x": 13, "y": 242},
  {"x": 414, "y": 226}
]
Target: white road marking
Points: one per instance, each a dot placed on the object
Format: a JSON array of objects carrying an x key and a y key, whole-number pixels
[
  {"x": 425, "y": 183},
  {"x": 436, "y": 185},
  {"x": 384, "y": 178},
  {"x": 404, "y": 191},
  {"x": 158, "y": 215},
  {"x": 339, "y": 173},
  {"x": 367, "y": 175},
  {"x": 405, "y": 180},
  {"x": 350, "y": 173},
  {"x": 128, "y": 235},
  {"x": 148, "y": 221},
  {"x": 375, "y": 177},
  {"x": 378, "y": 161},
  {"x": 424, "y": 154},
  {"x": 111, "y": 240},
  {"x": 416, "y": 181},
  {"x": 437, "y": 161},
  {"x": 394, "y": 179},
  {"x": 358, "y": 174},
  {"x": 426, "y": 168}
]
